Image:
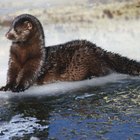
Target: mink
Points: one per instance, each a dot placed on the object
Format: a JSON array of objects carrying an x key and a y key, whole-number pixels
[{"x": 31, "y": 62}]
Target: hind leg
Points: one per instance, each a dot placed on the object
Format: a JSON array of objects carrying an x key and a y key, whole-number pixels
[
  {"x": 78, "y": 69},
  {"x": 74, "y": 74},
  {"x": 100, "y": 69}
]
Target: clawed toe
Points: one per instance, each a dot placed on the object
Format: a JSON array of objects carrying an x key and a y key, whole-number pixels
[{"x": 19, "y": 88}]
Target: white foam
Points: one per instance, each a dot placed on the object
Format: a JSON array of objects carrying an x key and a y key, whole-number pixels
[{"x": 58, "y": 88}]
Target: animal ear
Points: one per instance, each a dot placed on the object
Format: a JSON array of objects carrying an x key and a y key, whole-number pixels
[{"x": 28, "y": 25}]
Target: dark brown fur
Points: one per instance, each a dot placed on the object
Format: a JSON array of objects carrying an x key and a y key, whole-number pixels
[
  {"x": 30, "y": 62},
  {"x": 81, "y": 59}
]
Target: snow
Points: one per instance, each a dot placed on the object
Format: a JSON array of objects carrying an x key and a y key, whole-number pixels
[{"x": 58, "y": 88}]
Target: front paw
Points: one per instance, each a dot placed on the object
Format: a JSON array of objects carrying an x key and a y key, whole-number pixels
[
  {"x": 8, "y": 87},
  {"x": 4, "y": 88},
  {"x": 19, "y": 88}
]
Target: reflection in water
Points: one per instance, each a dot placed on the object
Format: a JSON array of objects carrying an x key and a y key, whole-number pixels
[{"x": 25, "y": 118}]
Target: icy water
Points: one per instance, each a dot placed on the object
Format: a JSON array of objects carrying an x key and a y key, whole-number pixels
[
  {"x": 106, "y": 108},
  {"x": 108, "y": 111}
]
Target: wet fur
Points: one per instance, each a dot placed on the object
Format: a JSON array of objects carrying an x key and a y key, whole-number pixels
[{"x": 31, "y": 62}]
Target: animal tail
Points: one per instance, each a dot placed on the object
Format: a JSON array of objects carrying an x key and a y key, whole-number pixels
[{"x": 122, "y": 64}]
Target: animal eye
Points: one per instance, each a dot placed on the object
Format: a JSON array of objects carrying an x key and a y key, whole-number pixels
[
  {"x": 18, "y": 31},
  {"x": 25, "y": 31}
]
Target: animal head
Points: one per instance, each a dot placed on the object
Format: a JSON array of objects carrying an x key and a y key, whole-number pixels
[
  {"x": 23, "y": 27},
  {"x": 20, "y": 30}
]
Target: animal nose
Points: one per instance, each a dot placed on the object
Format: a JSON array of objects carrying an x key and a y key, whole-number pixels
[{"x": 9, "y": 35}]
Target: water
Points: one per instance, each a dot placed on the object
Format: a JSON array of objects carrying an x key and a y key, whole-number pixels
[
  {"x": 105, "y": 108},
  {"x": 110, "y": 111}
]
